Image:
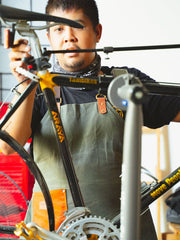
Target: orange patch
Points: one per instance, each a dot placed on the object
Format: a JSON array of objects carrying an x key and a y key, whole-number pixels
[{"x": 40, "y": 215}]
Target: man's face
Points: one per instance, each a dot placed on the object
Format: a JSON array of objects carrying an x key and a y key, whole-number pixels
[{"x": 63, "y": 37}]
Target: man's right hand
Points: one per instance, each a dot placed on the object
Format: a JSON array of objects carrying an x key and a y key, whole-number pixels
[{"x": 16, "y": 55}]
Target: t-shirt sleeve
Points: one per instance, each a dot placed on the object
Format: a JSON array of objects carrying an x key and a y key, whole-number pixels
[{"x": 158, "y": 110}]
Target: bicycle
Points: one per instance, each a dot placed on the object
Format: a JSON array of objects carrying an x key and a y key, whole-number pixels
[{"x": 40, "y": 62}]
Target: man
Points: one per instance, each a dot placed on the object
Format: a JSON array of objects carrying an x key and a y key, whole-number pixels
[{"x": 95, "y": 138}]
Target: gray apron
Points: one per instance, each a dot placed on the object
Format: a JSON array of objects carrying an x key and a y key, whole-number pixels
[{"x": 95, "y": 141}]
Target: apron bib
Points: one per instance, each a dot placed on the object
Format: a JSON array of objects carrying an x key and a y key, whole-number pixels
[{"x": 95, "y": 142}]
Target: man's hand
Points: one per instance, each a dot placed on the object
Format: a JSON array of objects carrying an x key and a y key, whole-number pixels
[
  {"x": 16, "y": 55},
  {"x": 177, "y": 118}
]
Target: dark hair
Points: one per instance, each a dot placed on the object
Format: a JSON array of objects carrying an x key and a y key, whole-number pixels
[{"x": 89, "y": 8}]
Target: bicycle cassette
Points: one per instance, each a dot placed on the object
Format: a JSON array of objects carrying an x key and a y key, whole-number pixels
[{"x": 90, "y": 227}]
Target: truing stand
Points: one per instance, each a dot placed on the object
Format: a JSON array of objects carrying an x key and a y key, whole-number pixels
[{"x": 130, "y": 186}]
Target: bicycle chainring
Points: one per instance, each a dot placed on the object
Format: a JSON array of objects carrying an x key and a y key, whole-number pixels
[{"x": 85, "y": 227}]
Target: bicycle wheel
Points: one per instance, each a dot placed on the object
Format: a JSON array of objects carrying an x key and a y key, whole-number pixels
[{"x": 13, "y": 206}]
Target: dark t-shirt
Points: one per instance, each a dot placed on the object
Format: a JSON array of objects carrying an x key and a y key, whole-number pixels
[{"x": 158, "y": 110}]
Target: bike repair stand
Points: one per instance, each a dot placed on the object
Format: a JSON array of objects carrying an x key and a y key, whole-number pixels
[{"x": 125, "y": 88}]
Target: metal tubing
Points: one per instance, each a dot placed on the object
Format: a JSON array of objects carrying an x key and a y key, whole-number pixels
[{"x": 130, "y": 190}]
